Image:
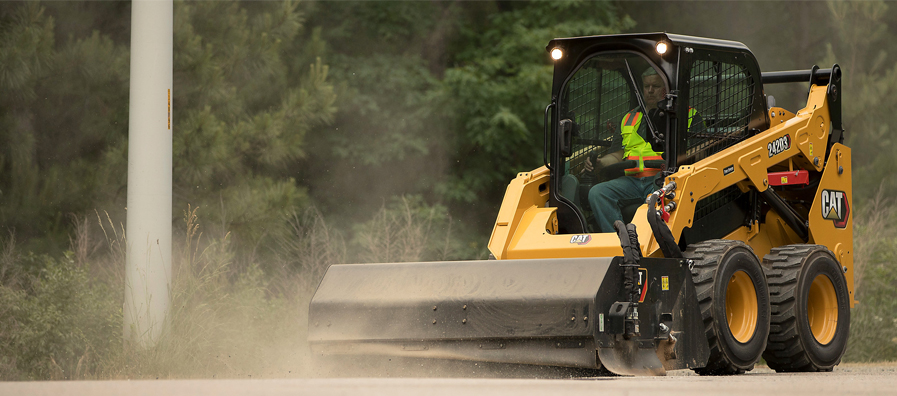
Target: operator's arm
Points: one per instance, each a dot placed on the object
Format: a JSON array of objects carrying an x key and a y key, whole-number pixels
[{"x": 605, "y": 160}]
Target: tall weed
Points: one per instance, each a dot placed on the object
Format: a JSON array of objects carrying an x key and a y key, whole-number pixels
[
  {"x": 310, "y": 248},
  {"x": 407, "y": 229}
]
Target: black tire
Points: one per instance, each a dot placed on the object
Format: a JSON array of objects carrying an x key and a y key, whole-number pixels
[
  {"x": 716, "y": 265},
  {"x": 806, "y": 282}
]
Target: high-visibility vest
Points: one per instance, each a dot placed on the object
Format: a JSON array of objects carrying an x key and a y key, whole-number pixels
[{"x": 636, "y": 148}]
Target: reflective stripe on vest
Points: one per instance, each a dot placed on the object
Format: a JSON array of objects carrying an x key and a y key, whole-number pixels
[
  {"x": 641, "y": 171},
  {"x": 635, "y": 147}
]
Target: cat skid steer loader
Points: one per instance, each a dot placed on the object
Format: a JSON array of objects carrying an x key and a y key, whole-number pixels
[{"x": 743, "y": 250}]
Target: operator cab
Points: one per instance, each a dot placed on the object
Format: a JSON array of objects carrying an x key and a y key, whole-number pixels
[
  {"x": 686, "y": 97},
  {"x": 609, "y": 93}
]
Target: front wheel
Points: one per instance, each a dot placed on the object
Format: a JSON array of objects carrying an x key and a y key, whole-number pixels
[
  {"x": 734, "y": 301},
  {"x": 810, "y": 309}
]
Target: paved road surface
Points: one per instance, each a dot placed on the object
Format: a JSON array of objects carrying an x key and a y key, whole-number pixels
[{"x": 880, "y": 379}]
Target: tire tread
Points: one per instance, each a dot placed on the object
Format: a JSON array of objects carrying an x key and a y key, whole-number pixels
[
  {"x": 706, "y": 256},
  {"x": 784, "y": 351}
]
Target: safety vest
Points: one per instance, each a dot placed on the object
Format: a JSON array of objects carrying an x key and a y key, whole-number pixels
[{"x": 636, "y": 148}]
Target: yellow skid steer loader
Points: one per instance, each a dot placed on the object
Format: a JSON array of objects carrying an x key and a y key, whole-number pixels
[{"x": 729, "y": 237}]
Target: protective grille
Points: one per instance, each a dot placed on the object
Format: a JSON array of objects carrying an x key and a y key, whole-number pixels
[
  {"x": 722, "y": 95},
  {"x": 715, "y": 201},
  {"x": 597, "y": 100}
]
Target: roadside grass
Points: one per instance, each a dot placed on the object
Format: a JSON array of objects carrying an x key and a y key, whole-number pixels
[
  {"x": 873, "y": 321},
  {"x": 230, "y": 317}
]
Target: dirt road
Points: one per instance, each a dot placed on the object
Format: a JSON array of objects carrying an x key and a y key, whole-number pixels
[{"x": 877, "y": 379}]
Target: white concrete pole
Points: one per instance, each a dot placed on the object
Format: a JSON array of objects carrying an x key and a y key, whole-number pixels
[{"x": 148, "y": 269}]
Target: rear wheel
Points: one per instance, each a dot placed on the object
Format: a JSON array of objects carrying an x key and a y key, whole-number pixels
[
  {"x": 810, "y": 309},
  {"x": 734, "y": 302}
]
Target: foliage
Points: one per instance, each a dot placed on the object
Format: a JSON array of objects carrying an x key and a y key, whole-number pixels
[
  {"x": 389, "y": 128},
  {"x": 873, "y": 334},
  {"x": 870, "y": 89},
  {"x": 243, "y": 108},
  {"x": 243, "y": 119},
  {"x": 451, "y": 90},
  {"x": 58, "y": 324},
  {"x": 500, "y": 86},
  {"x": 66, "y": 104}
]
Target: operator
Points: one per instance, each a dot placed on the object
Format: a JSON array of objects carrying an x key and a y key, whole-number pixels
[{"x": 607, "y": 199}]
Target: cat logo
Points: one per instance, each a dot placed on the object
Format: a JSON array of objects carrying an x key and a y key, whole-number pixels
[
  {"x": 835, "y": 207},
  {"x": 581, "y": 239}
]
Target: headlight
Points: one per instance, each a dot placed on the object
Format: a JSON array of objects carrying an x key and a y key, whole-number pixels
[
  {"x": 661, "y": 48},
  {"x": 557, "y": 54}
]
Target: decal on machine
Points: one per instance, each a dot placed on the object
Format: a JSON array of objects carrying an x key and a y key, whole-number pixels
[
  {"x": 779, "y": 145},
  {"x": 835, "y": 207},
  {"x": 581, "y": 239},
  {"x": 729, "y": 169},
  {"x": 643, "y": 283}
]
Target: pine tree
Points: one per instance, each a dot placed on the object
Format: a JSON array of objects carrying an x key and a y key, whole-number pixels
[
  {"x": 240, "y": 117},
  {"x": 243, "y": 105}
]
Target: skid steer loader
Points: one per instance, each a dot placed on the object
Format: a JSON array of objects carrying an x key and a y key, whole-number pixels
[{"x": 743, "y": 250}]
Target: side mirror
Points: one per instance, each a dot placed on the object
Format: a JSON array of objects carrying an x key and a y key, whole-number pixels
[{"x": 565, "y": 137}]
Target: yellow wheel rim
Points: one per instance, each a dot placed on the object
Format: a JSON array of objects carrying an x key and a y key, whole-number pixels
[
  {"x": 822, "y": 309},
  {"x": 741, "y": 306}
]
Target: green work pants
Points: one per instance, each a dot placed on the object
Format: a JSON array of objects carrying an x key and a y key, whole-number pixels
[{"x": 609, "y": 198}]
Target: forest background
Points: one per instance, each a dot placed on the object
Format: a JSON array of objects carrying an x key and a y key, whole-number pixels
[{"x": 317, "y": 132}]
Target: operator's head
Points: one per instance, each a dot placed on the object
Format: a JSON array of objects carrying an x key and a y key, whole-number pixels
[{"x": 653, "y": 88}]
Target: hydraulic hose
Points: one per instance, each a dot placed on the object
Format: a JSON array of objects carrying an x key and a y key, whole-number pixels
[
  {"x": 632, "y": 253},
  {"x": 662, "y": 233}
]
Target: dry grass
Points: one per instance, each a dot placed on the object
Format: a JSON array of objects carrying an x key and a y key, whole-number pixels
[
  {"x": 405, "y": 231},
  {"x": 224, "y": 320},
  {"x": 230, "y": 317},
  {"x": 309, "y": 248}
]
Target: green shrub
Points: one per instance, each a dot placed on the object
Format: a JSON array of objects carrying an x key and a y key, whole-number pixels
[{"x": 59, "y": 325}]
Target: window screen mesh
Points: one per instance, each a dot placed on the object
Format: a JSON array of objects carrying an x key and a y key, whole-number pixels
[
  {"x": 716, "y": 201},
  {"x": 597, "y": 100},
  {"x": 721, "y": 93}
]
